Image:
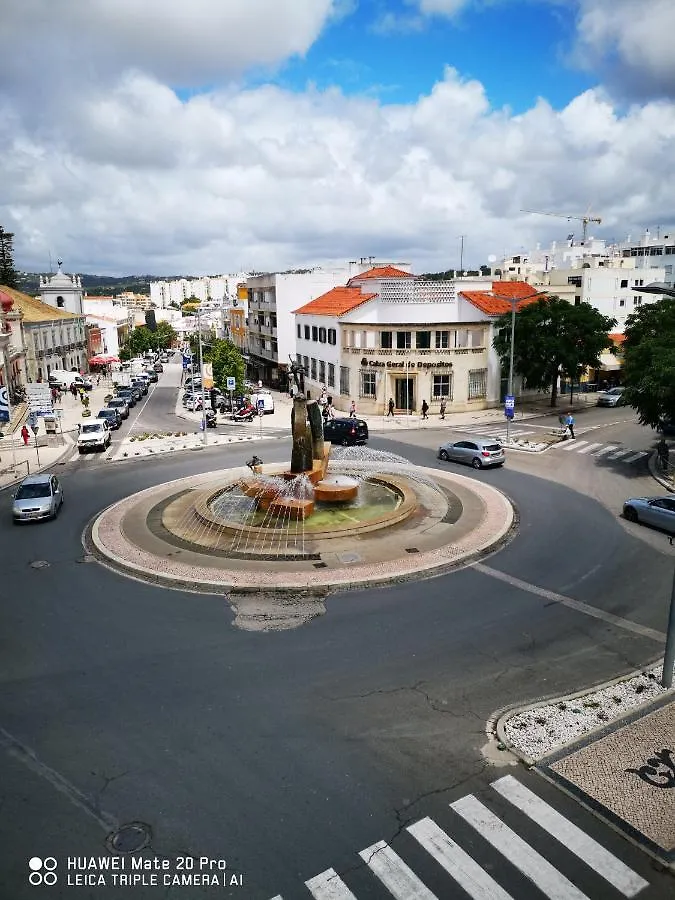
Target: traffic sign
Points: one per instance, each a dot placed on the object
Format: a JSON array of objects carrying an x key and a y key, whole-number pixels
[
  {"x": 509, "y": 406},
  {"x": 261, "y": 405},
  {"x": 230, "y": 383}
]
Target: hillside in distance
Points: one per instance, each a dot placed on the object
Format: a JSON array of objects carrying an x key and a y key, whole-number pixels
[{"x": 97, "y": 285}]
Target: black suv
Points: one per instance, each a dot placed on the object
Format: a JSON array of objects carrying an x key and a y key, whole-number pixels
[{"x": 346, "y": 431}]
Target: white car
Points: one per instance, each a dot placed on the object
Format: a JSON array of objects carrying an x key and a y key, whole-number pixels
[
  {"x": 267, "y": 400},
  {"x": 94, "y": 435}
]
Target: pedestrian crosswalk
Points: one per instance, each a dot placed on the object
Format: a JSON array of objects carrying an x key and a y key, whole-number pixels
[
  {"x": 485, "y": 880},
  {"x": 598, "y": 450}
]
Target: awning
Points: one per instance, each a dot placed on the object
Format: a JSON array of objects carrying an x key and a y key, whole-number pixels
[
  {"x": 103, "y": 360},
  {"x": 609, "y": 362}
]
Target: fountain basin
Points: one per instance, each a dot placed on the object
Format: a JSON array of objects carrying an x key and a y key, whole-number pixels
[{"x": 337, "y": 489}]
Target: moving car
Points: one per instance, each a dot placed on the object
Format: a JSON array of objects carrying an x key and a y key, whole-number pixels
[
  {"x": 267, "y": 400},
  {"x": 37, "y": 497},
  {"x": 93, "y": 435},
  {"x": 112, "y": 416},
  {"x": 346, "y": 431},
  {"x": 612, "y": 397},
  {"x": 477, "y": 452},
  {"x": 656, "y": 511},
  {"x": 121, "y": 405}
]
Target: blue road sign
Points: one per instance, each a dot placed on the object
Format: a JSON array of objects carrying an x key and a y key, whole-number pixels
[
  {"x": 230, "y": 383},
  {"x": 509, "y": 406}
]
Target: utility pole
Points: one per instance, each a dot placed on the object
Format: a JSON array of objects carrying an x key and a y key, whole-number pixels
[
  {"x": 201, "y": 375},
  {"x": 461, "y": 255}
]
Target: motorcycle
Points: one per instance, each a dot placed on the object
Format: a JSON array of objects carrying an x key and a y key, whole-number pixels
[
  {"x": 210, "y": 418},
  {"x": 245, "y": 413}
]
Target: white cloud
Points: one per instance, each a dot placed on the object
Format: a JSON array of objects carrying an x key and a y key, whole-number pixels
[{"x": 630, "y": 41}]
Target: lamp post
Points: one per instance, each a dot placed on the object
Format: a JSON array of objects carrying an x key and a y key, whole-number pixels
[{"x": 201, "y": 376}]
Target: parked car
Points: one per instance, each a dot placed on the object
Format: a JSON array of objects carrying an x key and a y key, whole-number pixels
[
  {"x": 112, "y": 416},
  {"x": 131, "y": 394},
  {"x": 158, "y": 367},
  {"x": 346, "y": 431},
  {"x": 152, "y": 375},
  {"x": 141, "y": 384},
  {"x": 267, "y": 400},
  {"x": 477, "y": 452},
  {"x": 37, "y": 497},
  {"x": 656, "y": 511},
  {"x": 63, "y": 380},
  {"x": 666, "y": 426},
  {"x": 93, "y": 435},
  {"x": 612, "y": 397},
  {"x": 121, "y": 405}
]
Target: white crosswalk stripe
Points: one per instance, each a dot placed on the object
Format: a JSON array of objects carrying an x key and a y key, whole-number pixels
[
  {"x": 604, "y": 450},
  {"x": 597, "y": 450},
  {"x": 619, "y": 453},
  {"x": 329, "y": 886},
  {"x": 590, "y": 447},
  {"x": 547, "y": 878},
  {"x": 578, "y": 842},
  {"x": 572, "y": 445},
  {"x": 635, "y": 457},
  {"x": 395, "y": 875}
]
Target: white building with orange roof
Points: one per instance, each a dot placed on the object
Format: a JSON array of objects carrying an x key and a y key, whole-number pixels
[{"x": 387, "y": 334}]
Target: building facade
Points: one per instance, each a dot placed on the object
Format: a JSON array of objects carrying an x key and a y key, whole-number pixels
[{"x": 12, "y": 348}]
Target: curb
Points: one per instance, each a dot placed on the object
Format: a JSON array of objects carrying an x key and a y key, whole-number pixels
[
  {"x": 497, "y": 721},
  {"x": 656, "y": 475}
]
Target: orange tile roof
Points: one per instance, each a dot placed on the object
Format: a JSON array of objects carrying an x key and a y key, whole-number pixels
[
  {"x": 617, "y": 338},
  {"x": 382, "y": 272},
  {"x": 336, "y": 302},
  {"x": 34, "y": 310},
  {"x": 491, "y": 302}
]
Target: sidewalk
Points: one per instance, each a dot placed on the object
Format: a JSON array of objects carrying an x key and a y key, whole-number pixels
[{"x": 17, "y": 461}]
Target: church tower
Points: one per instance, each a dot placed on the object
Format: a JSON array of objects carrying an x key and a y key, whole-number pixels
[{"x": 62, "y": 291}]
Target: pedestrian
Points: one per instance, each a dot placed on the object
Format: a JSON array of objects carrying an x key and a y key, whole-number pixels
[
  {"x": 391, "y": 407},
  {"x": 569, "y": 421},
  {"x": 25, "y": 435},
  {"x": 323, "y": 397},
  {"x": 352, "y": 410},
  {"x": 73, "y": 389},
  {"x": 54, "y": 395},
  {"x": 444, "y": 405},
  {"x": 425, "y": 409},
  {"x": 664, "y": 453}
]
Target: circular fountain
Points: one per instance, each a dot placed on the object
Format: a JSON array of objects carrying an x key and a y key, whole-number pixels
[{"x": 334, "y": 520}]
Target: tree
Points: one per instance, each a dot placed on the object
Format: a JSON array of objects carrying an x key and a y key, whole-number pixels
[
  {"x": 227, "y": 361},
  {"x": 649, "y": 361},
  {"x": 141, "y": 339},
  {"x": 552, "y": 338},
  {"x": 8, "y": 275}
]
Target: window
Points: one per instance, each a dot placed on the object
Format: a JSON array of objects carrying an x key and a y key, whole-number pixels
[
  {"x": 577, "y": 299},
  {"x": 638, "y": 282},
  {"x": 322, "y": 371},
  {"x": 344, "y": 380},
  {"x": 306, "y": 332},
  {"x": 477, "y": 337},
  {"x": 332, "y": 337},
  {"x": 305, "y": 364},
  {"x": 298, "y": 359},
  {"x": 442, "y": 340},
  {"x": 273, "y": 320},
  {"x": 477, "y": 384},
  {"x": 622, "y": 302},
  {"x": 322, "y": 335},
  {"x": 637, "y": 301},
  {"x": 403, "y": 340},
  {"x": 315, "y": 333},
  {"x": 462, "y": 337},
  {"x": 385, "y": 340},
  {"x": 299, "y": 329},
  {"x": 368, "y": 385},
  {"x": 441, "y": 386},
  {"x": 423, "y": 340},
  {"x": 331, "y": 375},
  {"x": 624, "y": 282},
  {"x": 60, "y": 302},
  {"x": 313, "y": 369}
]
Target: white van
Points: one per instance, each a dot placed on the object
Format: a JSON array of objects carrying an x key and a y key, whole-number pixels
[
  {"x": 267, "y": 400},
  {"x": 59, "y": 378}
]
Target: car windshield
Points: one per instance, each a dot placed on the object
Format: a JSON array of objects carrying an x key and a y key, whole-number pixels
[
  {"x": 115, "y": 403},
  {"x": 33, "y": 491},
  {"x": 615, "y": 391},
  {"x": 91, "y": 428}
]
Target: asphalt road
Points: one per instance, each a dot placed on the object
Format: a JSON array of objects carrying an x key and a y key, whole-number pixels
[{"x": 287, "y": 753}]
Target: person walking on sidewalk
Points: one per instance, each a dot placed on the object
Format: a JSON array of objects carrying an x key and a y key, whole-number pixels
[
  {"x": 569, "y": 421},
  {"x": 391, "y": 407},
  {"x": 425, "y": 409},
  {"x": 444, "y": 406},
  {"x": 25, "y": 435},
  {"x": 663, "y": 453},
  {"x": 352, "y": 410}
]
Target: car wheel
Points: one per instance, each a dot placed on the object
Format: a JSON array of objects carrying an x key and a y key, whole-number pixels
[
  {"x": 443, "y": 455},
  {"x": 630, "y": 514},
  {"x": 476, "y": 463},
  {"x": 80, "y": 450}
]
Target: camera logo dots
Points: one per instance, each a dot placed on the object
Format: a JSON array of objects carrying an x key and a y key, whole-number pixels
[{"x": 42, "y": 871}]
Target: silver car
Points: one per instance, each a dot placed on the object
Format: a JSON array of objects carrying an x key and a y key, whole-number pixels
[
  {"x": 612, "y": 397},
  {"x": 477, "y": 452},
  {"x": 656, "y": 511},
  {"x": 37, "y": 497}
]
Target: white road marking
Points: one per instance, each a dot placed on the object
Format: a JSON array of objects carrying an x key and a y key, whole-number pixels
[
  {"x": 395, "y": 875},
  {"x": 329, "y": 886},
  {"x": 574, "y": 444},
  {"x": 635, "y": 457},
  {"x": 590, "y": 448},
  {"x": 465, "y": 870},
  {"x": 606, "y": 449},
  {"x": 620, "y": 453},
  {"x": 578, "y": 605},
  {"x": 546, "y": 877},
  {"x": 612, "y": 869}
]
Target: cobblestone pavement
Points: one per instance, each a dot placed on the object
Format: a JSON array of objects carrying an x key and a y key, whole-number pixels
[{"x": 627, "y": 774}]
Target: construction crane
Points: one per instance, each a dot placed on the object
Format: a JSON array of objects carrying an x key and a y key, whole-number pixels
[{"x": 584, "y": 219}]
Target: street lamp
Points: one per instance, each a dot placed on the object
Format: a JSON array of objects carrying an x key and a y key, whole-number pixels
[{"x": 514, "y": 301}]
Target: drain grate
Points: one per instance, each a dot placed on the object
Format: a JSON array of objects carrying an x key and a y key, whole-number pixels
[
  {"x": 411, "y": 550},
  {"x": 320, "y": 565},
  {"x": 130, "y": 838},
  {"x": 39, "y": 564}
]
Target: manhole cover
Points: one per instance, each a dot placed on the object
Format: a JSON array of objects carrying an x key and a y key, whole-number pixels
[
  {"x": 39, "y": 564},
  {"x": 130, "y": 838},
  {"x": 411, "y": 550}
]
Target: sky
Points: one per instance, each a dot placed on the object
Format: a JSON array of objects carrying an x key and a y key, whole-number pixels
[{"x": 163, "y": 137}]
